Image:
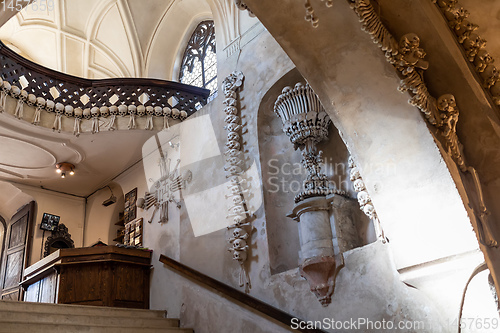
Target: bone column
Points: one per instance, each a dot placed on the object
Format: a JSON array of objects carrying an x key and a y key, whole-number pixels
[{"x": 306, "y": 124}]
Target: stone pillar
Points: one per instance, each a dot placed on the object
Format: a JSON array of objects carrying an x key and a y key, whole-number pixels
[{"x": 317, "y": 257}]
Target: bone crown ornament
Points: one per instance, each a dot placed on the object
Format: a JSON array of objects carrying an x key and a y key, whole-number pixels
[{"x": 302, "y": 114}]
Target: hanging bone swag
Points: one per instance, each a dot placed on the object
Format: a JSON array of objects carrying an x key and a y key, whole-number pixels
[
  {"x": 94, "y": 114},
  {"x": 238, "y": 210}
]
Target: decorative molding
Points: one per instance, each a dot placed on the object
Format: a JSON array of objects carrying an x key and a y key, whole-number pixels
[
  {"x": 364, "y": 199},
  {"x": 306, "y": 123},
  {"x": 473, "y": 45},
  {"x": 234, "y": 168}
]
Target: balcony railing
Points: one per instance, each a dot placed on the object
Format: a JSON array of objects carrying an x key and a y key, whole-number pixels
[{"x": 39, "y": 81}]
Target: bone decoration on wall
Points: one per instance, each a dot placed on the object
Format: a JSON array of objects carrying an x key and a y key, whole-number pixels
[
  {"x": 408, "y": 59},
  {"x": 99, "y": 118},
  {"x": 234, "y": 168},
  {"x": 473, "y": 45},
  {"x": 364, "y": 199},
  {"x": 162, "y": 192}
]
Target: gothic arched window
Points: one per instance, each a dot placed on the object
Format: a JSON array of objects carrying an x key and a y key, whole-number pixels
[{"x": 199, "y": 64}]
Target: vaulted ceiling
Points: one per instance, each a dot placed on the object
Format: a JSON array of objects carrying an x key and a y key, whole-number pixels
[
  {"x": 92, "y": 39},
  {"x": 104, "y": 38}
]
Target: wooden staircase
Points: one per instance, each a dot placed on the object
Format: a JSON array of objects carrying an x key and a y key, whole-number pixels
[{"x": 21, "y": 317}]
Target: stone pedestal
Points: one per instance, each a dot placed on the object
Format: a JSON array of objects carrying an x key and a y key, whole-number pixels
[{"x": 317, "y": 257}]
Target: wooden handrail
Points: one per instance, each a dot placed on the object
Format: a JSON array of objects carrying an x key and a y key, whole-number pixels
[{"x": 235, "y": 294}]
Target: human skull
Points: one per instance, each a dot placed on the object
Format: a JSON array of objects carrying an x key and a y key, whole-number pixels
[
  {"x": 104, "y": 110},
  {"x": 78, "y": 113},
  {"x": 233, "y": 144},
  {"x": 87, "y": 114},
  {"x": 167, "y": 111},
  {"x": 68, "y": 111},
  {"x": 446, "y": 103},
  {"x": 59, "y": 108},
  {"x": 233, "y": 136},
  {"x": 24, "y": 95},
  {"x": 141, "y": 110},
  {"x": 6, "y": 87},
  {"x": 238, "y": 219},
  {"x": 369, "y": 210},
  {"x": 234, "y": 160},
  {"x": 232, "y": 127},
  {"x": 150, "y": 110},
  {"x": 232, "y": 119},
  {"x": 237, "y": 200},
  {"x": 363, "y": 198},
  {"x": 183, "y": 115},
  {"x": 240, "y": 233},
  {"x": 49, "y": 105},
  {"x": 239, "y": 255},
  {"x": 175, "y": 113},
  {"x": 122, "y": 110},
  {"x": 113, "y": 110},
  {"x": 233, "y": 152},
  {"x": 31, "y": 100},
  {"x": 230, "y": 101},
  {"x": 231, "y": 110},
  {"x": 15, "y": 91},
  {"x": 482, "y": 60},
  {"x": 355, "y": 174},
  {"x": 239, "y": 243},
  {"x": 158, "y": 111},
  {"x": 40, "y": 102},
  {"x": 490, "y": 75},
  {"x": 359, "y": 185},
  {"x": 408, "y": 42},
  {"x": 132, "y": 109},
  {"x": 95, "y": 112}
]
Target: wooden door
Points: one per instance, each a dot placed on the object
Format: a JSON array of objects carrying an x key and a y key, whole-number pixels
[{"x": 16, "y": 253}]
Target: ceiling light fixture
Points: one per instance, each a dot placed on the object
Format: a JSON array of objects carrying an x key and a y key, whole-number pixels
[{"x": 64, "y": 168}]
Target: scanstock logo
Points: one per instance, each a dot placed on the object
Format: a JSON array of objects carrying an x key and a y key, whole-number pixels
[{"x": 184, "y": 166}]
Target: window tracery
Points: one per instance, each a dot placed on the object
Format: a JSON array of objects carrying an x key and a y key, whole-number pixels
[{"x": 199, "y": 63}]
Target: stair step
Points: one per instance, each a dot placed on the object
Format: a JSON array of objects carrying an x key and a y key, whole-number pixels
[
  {"x": 11, "y": 327},
  {"x": 69, "y": 309},
  {"x": 79, "y": 319}
]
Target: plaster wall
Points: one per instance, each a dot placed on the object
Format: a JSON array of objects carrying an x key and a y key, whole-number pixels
[
  {"x": 100, "y": 220},
  {"x": 71, "y": 209},
  {"x": 359, "y": 292}
]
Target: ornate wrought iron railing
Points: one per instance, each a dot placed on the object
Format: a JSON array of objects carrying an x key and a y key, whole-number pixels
[{"x": 85, "y": 93}]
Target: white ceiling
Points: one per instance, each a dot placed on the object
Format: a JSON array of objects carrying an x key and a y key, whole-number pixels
[{"x": 93, "y": 39}]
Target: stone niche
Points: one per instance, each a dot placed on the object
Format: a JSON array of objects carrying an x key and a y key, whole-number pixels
[{"x": 283, "y": 174}]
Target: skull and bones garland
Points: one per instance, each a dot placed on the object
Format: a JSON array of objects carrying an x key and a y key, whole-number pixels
[
  {"x": 93, "y": 114},
  {"x": 238, "y": 210},
  {"x": 364, "y": 199}
]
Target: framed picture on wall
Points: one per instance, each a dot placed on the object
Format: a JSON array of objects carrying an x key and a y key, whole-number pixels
[
  {"x": 49, "y": 222},
  {"x": 130, "y": 212}
]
